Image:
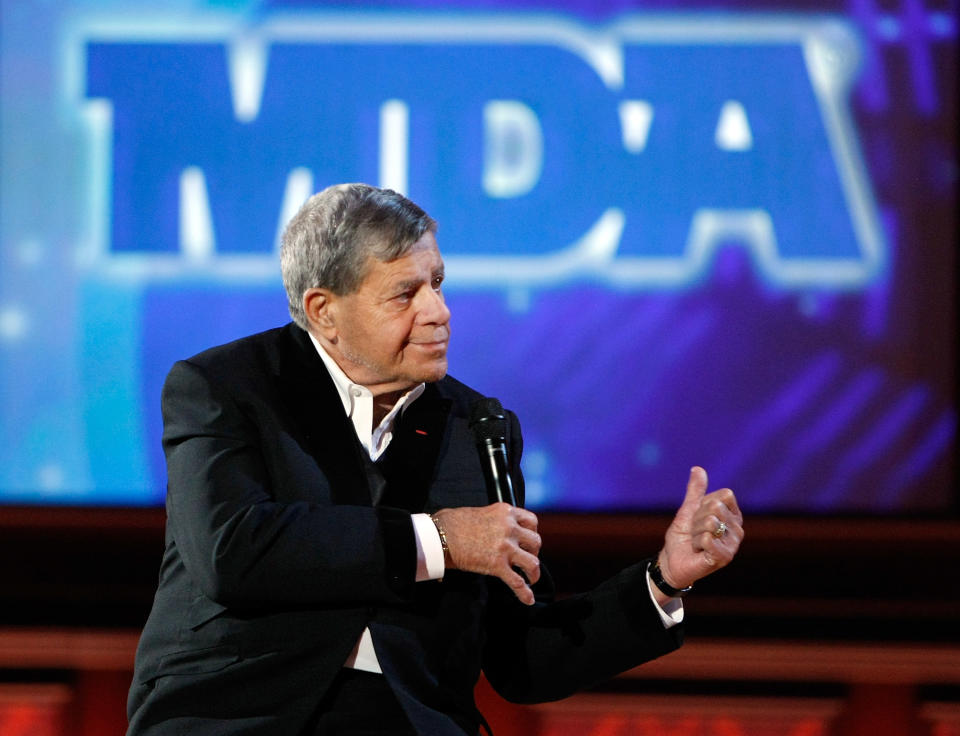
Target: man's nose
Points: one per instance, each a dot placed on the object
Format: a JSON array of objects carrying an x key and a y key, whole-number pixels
[{"x": 433, "y": 308}]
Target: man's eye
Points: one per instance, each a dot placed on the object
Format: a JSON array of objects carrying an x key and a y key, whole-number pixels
[{"x": 437, "y": 281}]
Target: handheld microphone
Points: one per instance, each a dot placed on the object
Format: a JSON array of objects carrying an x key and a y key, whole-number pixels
[{"x": 489, "y": 424}]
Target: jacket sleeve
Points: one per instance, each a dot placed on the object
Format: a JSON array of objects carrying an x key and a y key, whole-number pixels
[
  {"x": 554, "y": 648},
  {"x": 243, "y": 546}
]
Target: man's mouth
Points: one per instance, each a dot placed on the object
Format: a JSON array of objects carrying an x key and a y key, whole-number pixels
[
  {"x": 440, "y": 341},
  {"x": 436, "y": 344}
]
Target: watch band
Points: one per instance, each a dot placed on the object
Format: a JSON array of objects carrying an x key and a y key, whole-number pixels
[
  {"x": 443, "y": 538},
  {"x": 656, "y": 575}
]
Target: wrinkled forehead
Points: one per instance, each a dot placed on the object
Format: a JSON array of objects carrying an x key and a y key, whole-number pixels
[{"x": 420, "y": 260}]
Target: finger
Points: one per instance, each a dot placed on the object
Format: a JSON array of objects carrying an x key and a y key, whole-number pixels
[
  {"x": 519, "y": 587},
  {"x": 529, "y": 564},
  {"x": 728, "y": 542},
  {"x": 704, "y": 533},
  {"x": 734, "y": 531},
  {"x": 712, "y": 524},
  {"x": 726, "y": 497},
  {"x": 715, "y": 511},
  {"x": 731, "y": 501},
  {"x": 721, "y": 551},
  {"x": 696, "y": 488},
  {"x": 720, "y": 523},
  {"x": 720, "y": 504},
  {"x": 705, "y": 545},
  {"x": 529, "y": 541},
  {"x": 526, "y": 519}
]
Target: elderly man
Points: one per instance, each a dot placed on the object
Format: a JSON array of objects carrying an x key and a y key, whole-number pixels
[{"x": 333, "y": 564}]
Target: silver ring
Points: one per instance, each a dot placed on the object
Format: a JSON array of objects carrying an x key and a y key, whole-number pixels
[{"x": 720, "y": 530}]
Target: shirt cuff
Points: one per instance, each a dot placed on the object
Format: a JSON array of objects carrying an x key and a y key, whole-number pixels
[
  {"x": 671, "y": 612},
  {"x": 430, "y": 565}
]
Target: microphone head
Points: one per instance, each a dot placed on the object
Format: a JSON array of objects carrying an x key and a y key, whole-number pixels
[{"x": 488, "y": 420}]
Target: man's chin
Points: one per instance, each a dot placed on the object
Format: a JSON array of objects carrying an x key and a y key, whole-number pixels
[{"x": 435, "y": 372}]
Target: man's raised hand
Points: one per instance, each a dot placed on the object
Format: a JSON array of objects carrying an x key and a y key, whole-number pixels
[{"x": 705, "y": 533}]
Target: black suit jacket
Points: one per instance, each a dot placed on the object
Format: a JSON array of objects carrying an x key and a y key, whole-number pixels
[{"x": 275, "y": 561}]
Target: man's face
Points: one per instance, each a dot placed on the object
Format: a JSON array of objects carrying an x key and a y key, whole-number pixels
[{"x": 392, "y": 332}]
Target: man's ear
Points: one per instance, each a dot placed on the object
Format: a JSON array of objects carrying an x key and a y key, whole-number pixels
[{"x": 319, "y": 306}]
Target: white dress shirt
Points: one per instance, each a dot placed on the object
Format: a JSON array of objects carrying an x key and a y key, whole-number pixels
[{"x": 358, "y": 405}]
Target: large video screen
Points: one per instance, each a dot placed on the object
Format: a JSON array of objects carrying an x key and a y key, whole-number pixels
[{"x": 675, "y": 233}]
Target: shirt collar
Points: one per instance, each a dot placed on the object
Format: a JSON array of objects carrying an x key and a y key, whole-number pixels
[{"x": 349, "y": 391}]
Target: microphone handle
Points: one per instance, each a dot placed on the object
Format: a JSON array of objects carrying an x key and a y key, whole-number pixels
[{"x": 499, "y": 485}]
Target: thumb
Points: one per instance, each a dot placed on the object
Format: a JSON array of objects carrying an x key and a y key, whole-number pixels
[{"x": 696, "y": 490}]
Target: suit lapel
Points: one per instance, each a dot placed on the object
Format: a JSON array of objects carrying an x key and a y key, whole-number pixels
[
  {"x": 311, "y": 397},
  {"x": 410, "y": 461}
]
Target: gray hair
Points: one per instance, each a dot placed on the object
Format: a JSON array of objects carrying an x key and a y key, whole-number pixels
[{"x": 327, "y": 243}]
